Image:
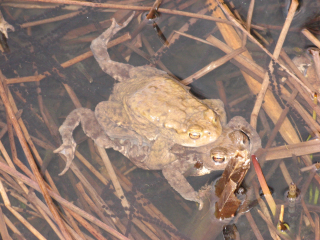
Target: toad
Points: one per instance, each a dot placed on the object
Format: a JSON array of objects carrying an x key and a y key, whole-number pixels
[
  {"x": 147, "y": 106},
  {"x": 237, "y": 135}
]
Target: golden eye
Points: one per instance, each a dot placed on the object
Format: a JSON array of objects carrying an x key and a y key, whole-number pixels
[
  {"x": 194, "y": 135},
  {"x": 218, "y": 159}
]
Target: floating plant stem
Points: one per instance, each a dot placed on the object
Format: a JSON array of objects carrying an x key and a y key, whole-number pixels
[{"x": 264, "y": 186}]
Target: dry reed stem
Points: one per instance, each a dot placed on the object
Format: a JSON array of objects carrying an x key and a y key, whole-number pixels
[
  {"x": 3, "y": 226},
  {"x": 31, "y": 161},
  {"x": 308, "y": 168},
  {"x": 280, "y": 120},
  {"x": 248, "y": 22},
  {"x": 43, "y": 213},
  {"x": 52, "y": 127},
  {"x": 152, "y": 53},
  {"x": 4, "y": 195},
  {"x": 87, "y": 226},
  {"x": 298, "y": 149},
  {"x": 61, "y": 200},
  {"x": 49, "y": 20},
  {"x": 26, "y": 223},
  {"x": 276, "y": 53},
  {"x": 248, "y": 65},
  {"x": 173, "y": 37},
  {"x": 137, "y": 8},
  {"x": 17, "y": 161},
  {"x": 312, "y": 124},
  {"x": 316, "y": 59},
  {"x": 113, "y": 177},
  {"x": 311, "y": 37},
  {"x": 306, "y": 184},
  {"x": 68, "y": 63},
  {"x": 153, "y": 9},
  {"x": 237, "y": 40},
  {"x": 264, "y": 185},
  {"x": 28, "y": 138},
  {"x": 285, "y": 173},
  {"x": 91, "y": 168},
  {"x": 307, "y": 213},
  {"x": 265, "y": 210},
  {"x": 254, "y": 226},
  {"x": 149, "y": 207},
  {"x": 317, "y": 227},
  {"x": 211, "y": 66},
  {"x": 13, "y": 228},
  {"x": 270, "y": 105},
  {"x": 10, "y": 163},
  {"x": 89, "y": 201}
]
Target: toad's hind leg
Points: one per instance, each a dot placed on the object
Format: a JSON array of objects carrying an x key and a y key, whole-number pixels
[
  {"x": 91, "y": 128},
  {"x": 119, "y": 71}
]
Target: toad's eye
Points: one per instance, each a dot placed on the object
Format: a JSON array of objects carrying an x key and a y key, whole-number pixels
[
  {"x": 194, "y": 135},
  {"x": 218, "y": 158}
]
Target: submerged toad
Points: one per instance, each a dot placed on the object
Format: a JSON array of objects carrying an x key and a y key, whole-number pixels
[{"x": 147, "y": 113}]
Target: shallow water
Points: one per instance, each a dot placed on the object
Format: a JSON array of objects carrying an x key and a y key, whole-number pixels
[{"x": 39, "y": 48}]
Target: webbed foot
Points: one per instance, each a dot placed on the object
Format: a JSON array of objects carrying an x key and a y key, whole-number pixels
[
  {"x": 67, "y": 149},
  {"x": 4, "y": 26}
]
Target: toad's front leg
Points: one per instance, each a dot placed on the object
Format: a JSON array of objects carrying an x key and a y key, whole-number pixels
[
  {"x": 90, "y": 126},
  {"x": 173, "y": 172}
]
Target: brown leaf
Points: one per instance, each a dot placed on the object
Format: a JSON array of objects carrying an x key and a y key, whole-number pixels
[
  {"x": 228, "y": 203},
  {"x": 236, "y": 170}
]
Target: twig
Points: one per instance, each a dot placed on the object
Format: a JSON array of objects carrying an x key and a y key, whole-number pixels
[
  {"x": 306, "y": 211},
  {"x": 298, "y": 149},
  {"x": 49, "y": 20},
  {"x": 315, "y": 166},
  {"x": 68, "y": 63},
  {"x": 211, "y": 66},
  {"x": 113, "y": 178},
  {"x": 248, "y": 22},
  {"x": 26, "y": 223},
  {"x": 316, "y": 59},
  {"x": 265, "y": 210},
  {"x": 31, "y": 161},
  {"x": 248, "y": 64},
  {"x": 34, "y": 199},
  {"x": 317, "y": 227},
  {"x": 285, "y": 173},
  {"x": 311, "y": 37},
  {"x": 3, "y": 227},
  {"x": 254, "y": 226},
  {"x": 153, "y": 10},
  {"x": 13, "y": 228},
  {"x": 137, "y": 8},
  {"x": 226, "y": 11},
  {"x": 87, "y": 226},
  {"x": 61, "y": 200},
  {"x": 313, "y": 125},
  {"x": 276, "y": 53}
]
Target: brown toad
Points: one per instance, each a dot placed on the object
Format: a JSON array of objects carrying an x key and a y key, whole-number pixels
[
  {"x": 236, "y": 136},
  {"x": 146, "y": 105}
]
